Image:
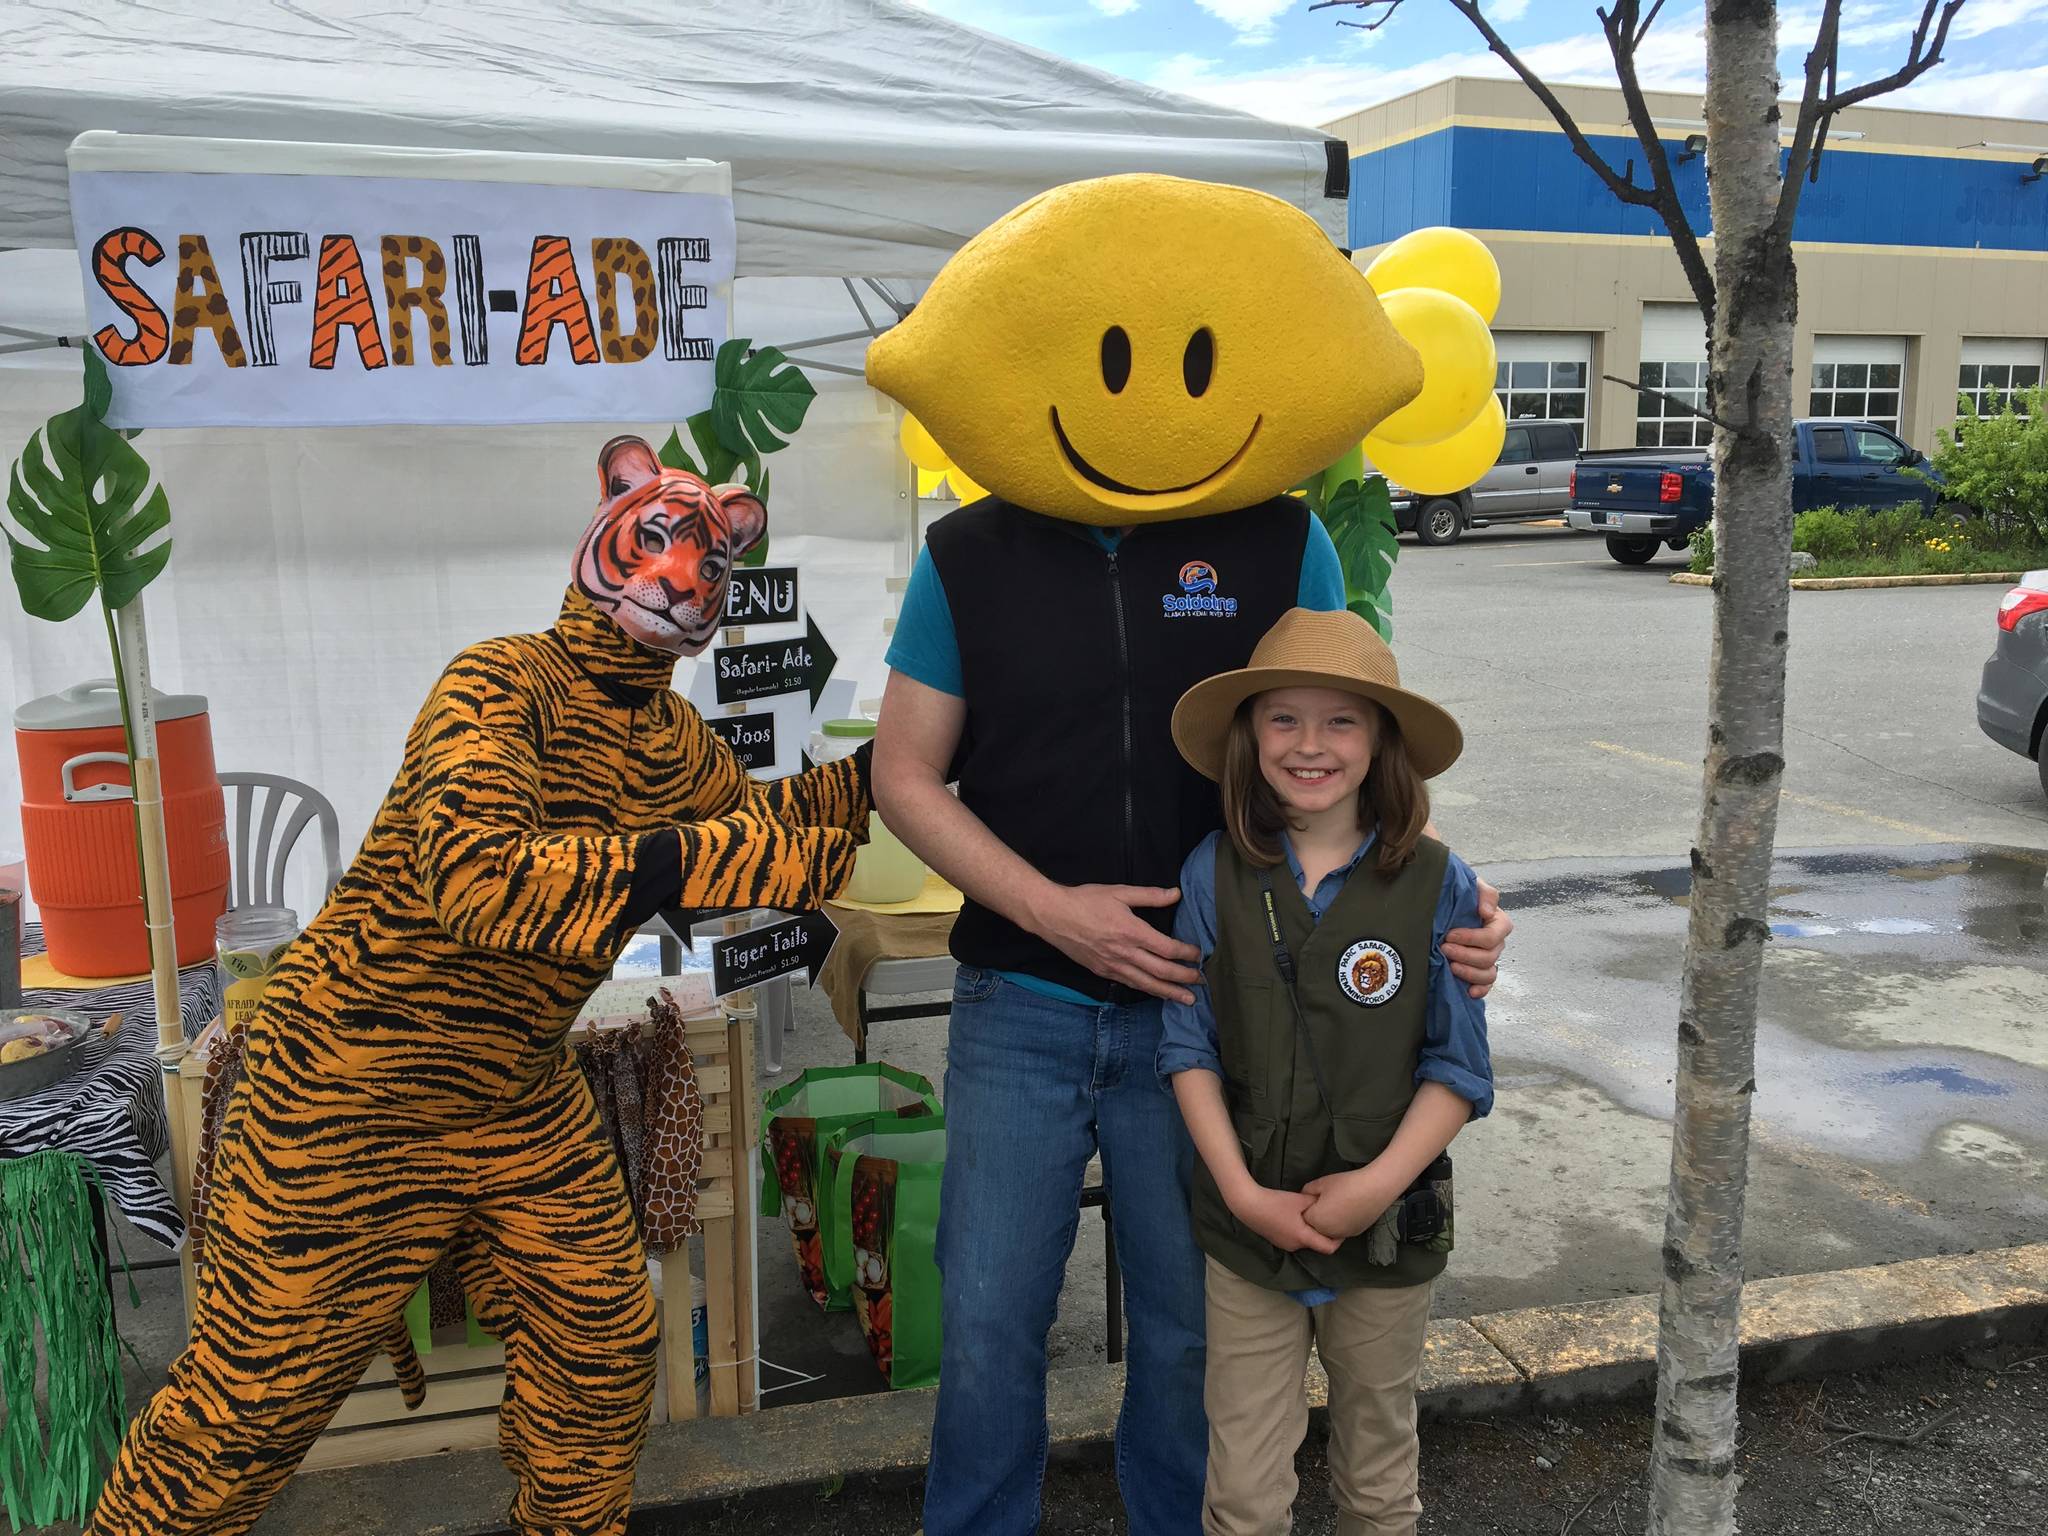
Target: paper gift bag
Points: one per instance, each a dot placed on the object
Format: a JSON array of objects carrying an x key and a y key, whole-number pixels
[
  {"x": 887, "y": 1197},
  {"x": 799, "y": 1123}
]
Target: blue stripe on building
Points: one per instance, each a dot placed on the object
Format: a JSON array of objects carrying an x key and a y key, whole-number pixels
[{"x": 1506, "y": 178}]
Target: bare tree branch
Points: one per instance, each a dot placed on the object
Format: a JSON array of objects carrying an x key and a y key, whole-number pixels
[
  {"x": 1671, "y": 400},
  {"x": 1624, "y": 32},
  {"x": 1821, "y": 100},
  {"x": 1360, "y": 5}
]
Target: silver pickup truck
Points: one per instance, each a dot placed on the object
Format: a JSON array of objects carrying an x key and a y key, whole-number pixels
[{"x": 1531, "y": 479}]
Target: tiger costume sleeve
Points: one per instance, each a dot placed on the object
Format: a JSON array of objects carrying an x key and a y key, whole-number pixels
[{"x": 498, "y": 881}]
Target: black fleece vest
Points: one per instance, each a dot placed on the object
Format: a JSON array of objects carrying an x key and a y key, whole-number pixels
[
  {"x": 1072, "y": 658},
  {"x": 1366, "y": 1015}
]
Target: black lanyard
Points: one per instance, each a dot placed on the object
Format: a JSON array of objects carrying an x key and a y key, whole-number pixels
[{"x": 1285, "y": 961}]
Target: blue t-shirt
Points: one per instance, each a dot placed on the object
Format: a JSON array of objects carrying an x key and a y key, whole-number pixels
[{"x": 925, "y": 647}]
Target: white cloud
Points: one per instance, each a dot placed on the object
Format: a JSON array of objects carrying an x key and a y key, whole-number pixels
[
  {"x": 1115, "y": 7},
  {"x": 2019, "y": 93},
  {"x": 1982, "y": 16},
  {"x": 1252, "y": 20},
  {"x": 1507, "y": 10}
]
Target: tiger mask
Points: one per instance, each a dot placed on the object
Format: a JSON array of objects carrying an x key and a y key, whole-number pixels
[{"x": 657, "y": 555}]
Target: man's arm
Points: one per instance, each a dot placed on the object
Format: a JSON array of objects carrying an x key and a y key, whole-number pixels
[
  {"x": 1475, "y": 953},
  {"x": 1090, "y": 924}
]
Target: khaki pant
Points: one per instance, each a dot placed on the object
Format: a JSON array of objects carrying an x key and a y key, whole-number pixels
[{"x": 1370, "y": 1342}]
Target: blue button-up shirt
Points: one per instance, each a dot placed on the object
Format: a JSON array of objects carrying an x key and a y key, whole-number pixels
[{"x": 1454, "y": 1050}]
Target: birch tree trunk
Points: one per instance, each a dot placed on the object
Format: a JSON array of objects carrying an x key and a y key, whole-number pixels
[{"x": 1693, "y": 1483}]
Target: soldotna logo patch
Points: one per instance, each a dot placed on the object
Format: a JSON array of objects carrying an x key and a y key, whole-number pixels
[{"x": 1370, "y": 972}]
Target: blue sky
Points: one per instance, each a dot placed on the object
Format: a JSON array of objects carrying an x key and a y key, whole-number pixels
[{"x": 1280, "y": 59}]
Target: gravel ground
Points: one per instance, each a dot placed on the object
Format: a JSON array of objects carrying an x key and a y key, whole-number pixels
[{"x": 1819, "y": 1458}]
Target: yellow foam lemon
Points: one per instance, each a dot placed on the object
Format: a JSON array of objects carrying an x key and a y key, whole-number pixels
[
  {"x": 918, "y": 446},
  {"x": 1457, "y": 364},
  {"x": 1444, "y": 258},
  {"x": 1442, "y": 468},
  {"x": 1136, "y": 348}
]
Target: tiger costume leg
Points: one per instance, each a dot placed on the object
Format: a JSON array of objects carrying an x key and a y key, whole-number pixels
[
  {"x": 313, "y": 1252},
  {"x": 309, "y": 1283}
]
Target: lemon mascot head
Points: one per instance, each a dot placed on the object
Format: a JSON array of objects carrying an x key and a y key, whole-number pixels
[{"x": 1137, "y": 348}]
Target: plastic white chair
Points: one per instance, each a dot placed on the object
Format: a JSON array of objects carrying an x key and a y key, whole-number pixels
[{"x": 271, "y": 813}]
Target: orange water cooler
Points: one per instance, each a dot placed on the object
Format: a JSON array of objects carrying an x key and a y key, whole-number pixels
[{"x": 78, "y": 828}]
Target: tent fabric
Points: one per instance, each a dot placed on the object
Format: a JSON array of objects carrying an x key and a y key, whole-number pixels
[
  {"x": 322, "y": 577},
  {"x": 867, "y": 137}
]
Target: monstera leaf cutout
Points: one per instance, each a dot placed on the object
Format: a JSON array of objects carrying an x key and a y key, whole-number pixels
[
  {"x": 77, "y": 495},
  {"x": 756, "y": 395},
  {"x": 753, "y": 398},
  {"x": 1360, "y": 519}
]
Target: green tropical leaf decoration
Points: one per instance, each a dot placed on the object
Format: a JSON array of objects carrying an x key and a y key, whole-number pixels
[
  {"x": 1360, "y": 519},
  {"x": 757, "y": 394},
  {"x": 77, "y": 495}
]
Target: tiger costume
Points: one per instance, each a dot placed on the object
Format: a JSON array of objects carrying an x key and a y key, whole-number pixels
[{"x": 406, "y": 1087}]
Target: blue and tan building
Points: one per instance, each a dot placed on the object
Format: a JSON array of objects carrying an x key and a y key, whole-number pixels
[{"x": 1922, "y": 251}]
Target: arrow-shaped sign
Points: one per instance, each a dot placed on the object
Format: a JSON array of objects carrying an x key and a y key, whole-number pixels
[
  {"x": 797, "y": 943},
  {"x": 763, "y": 594},
  {"x": 765, "y": 668}
]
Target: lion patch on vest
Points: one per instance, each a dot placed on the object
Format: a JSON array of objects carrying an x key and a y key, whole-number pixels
[{"x": 1370, "y": 972}]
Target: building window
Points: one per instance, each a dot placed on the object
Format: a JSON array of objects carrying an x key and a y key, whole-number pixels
[
  {"x": 1996, "y": 370},
  {"x": 1542, "y": 391},
  {"x": 1858, "y": 377},
  {"x": 1661, "y": 419}
]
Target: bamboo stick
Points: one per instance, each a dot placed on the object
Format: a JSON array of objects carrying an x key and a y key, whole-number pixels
[{"x": 149, "y": 817}]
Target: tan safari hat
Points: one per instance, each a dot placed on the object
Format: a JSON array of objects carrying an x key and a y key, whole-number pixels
[{"x": 1309, "y": 649}]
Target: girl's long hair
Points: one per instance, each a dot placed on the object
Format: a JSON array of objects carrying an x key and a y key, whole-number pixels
[{"x": 1394, "y": 796}]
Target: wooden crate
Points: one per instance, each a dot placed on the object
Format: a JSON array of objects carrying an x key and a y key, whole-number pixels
[{"x": 465, "y": 1383}]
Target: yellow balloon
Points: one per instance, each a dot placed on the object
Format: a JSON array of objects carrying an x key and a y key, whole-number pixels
[
  {"x": 1457, "y": 364},
  {"x": 919, "y": 444},
  {"x": 929, "y": 481},
  {"x": 1444, "y": 258},
  {"x": 1439, "y": 469},
  {"x": 963, "y": 487}
]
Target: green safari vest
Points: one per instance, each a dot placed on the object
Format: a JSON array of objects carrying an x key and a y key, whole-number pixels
[{"x": 1367, "y": 1021}]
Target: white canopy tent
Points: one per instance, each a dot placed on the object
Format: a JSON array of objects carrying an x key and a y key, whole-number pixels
[{"x": 323, "y": 577}]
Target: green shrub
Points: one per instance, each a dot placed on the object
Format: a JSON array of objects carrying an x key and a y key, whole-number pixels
[
  {"x": 1998, "y": 463},
  {"x": 1702, "y": 545},
  {"x": 1827, "y": 533}
]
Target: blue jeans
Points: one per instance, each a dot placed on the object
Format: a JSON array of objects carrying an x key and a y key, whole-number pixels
[{"x": 1034, "y": 1086}]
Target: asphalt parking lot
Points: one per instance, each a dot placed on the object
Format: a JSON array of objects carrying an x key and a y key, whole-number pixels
[{"x": 1582, "y": 684}]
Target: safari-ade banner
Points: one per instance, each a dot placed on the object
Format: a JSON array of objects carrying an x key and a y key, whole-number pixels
[{"x": 269, "y": 284}]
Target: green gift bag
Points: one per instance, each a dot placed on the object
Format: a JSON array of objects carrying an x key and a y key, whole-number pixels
[
  {"x": 801, "y": 1122},
  {"x": 883, "y": 1242}
]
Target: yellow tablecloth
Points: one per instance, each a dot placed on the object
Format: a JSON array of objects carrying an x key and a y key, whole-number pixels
[{"x": 911, "y": 930}]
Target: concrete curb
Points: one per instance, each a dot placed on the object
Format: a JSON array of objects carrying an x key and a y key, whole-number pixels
[
  {"x": 1861, "y": 583},
  {"x": 1799, "y": 1325}
]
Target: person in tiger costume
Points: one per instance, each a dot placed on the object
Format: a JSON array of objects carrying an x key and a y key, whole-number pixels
[{"x": 407, "y": 1092}]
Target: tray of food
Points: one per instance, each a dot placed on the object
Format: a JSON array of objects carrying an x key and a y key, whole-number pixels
[{"x": 38, "y": 1048}]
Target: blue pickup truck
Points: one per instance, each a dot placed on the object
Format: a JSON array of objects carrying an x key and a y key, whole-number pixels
[{"x": 1644, "y": 498}]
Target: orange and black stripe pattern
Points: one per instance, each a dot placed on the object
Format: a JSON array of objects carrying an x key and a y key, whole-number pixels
[
  {"x": 407, "y": 1093},
  {"x": 554, "y": 296}
]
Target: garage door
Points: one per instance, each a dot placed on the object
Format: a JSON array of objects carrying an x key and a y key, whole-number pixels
[
  {"x": 1995, "y": 367},
  {"x": 1674, "y": 363},
  {"x": 1542, "y": 375},
  {"x": 1858, "y": 376}
]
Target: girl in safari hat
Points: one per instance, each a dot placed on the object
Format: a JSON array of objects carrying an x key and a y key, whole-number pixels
[{"x": 1325, "y": 1064}]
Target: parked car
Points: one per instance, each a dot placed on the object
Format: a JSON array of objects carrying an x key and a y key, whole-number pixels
[
  {"x": 2012, "y": 700},
  {"x": 1643, "y": 498},
  {"x": 1530, "y": 479}
]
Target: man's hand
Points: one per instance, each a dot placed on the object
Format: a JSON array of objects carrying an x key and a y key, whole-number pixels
[
  {"x": 1276, "y": 1216},
  {"x": 1474, "y": 953},
  {"x": 1095, "y": 926},
  {"x": 1345, "y": 1204}
]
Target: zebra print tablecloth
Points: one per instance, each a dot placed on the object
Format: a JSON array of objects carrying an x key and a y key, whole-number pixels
[{"x": 111, "y": 1108}]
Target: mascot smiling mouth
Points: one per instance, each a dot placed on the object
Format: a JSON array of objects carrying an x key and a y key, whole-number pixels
[{"x": 1097, "y": 478}]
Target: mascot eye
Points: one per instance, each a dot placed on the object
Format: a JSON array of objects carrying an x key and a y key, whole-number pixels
[
  {"x": 652, "y": 540},
  {"x": 1116, "y": 359},
  {"x": 712, "y": 569},
  {"x": 1199, "y": 362}
]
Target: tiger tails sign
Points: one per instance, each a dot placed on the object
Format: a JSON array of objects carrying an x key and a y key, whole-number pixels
[{"x": 238, "y": 283}]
